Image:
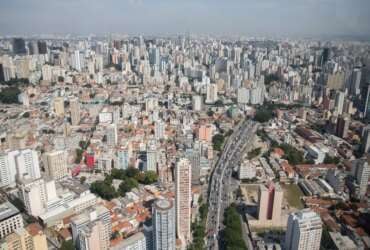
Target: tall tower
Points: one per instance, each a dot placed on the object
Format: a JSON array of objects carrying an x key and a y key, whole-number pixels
[
  {"x": 304, "y": 231},
  {"x": 59, "y": 106},
  {"x": 361, "y": 171},
  {"x": 151, "y": 157},
  {"x": 183, "y": 199},
  {"x": 56, "y": 164},
  {"x": 112, "y": 135},
  {"x": 75, "y": 111},
  {"x": 27, "y": 162},
  {"x": 270, "y": 201},
  {"x": 164, "y": 230}
]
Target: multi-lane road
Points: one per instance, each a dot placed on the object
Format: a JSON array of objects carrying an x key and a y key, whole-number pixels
[{"x": 222, "y": 185}]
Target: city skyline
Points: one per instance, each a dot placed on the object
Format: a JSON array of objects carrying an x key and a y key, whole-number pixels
[{"x": 250, "y": 17}]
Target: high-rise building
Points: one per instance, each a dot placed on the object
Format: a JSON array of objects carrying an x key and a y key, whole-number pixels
[
  {"x": 154, "y": 57},
  {"x": 112, "y": 137},
  {"x": 10, "y": 219},
  {"x": 270, "y": 202},
  {"x": 342, "y": 126},
  {"x": 339, "y": 102},
  {"x": 212, "y": 96},
  {"x": 243, "y": 95},
  {"x": 159, "y": 130},
  {"x": 27, "y": 163},
  {"x": 304, "y": 231},
  {"x": 42, "y": 48},
  {"x": 2, "y": 74},
  {"x": 75, "y": 111},
  {"x": 164, "y": 225},
  {"x": 366, "y": 108},
  {"x": 183, "y": 199},
  {"x": 19, "y": 46},
  {"x": 76, "y": 60},
  {"x": 193, "y": 155},
  {"x": 365, "y": 140},
  {"x": 122, "y": 158},
  {"x": 361, "y": 172},
  {"x": 92, "y": 228},
  {"x": 197, "y": 102},
  {"x": 38, "y": 195},
  {"x": 205, "y": 132},
  {"x": 151, "y": 157},
  {"x": 55, "y": 164},
  {"x": 355, "y": 82},
  {"x": 18, "y": 163}
]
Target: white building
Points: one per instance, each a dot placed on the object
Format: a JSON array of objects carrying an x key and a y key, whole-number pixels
[
  {"x": 55, "y": 163},
  {"x": 183, "y": 199},
  {"x": 134, "y": 242},
  {"x": 159, "y": 130},
  {"x": 164, "y": 225},
  {"x": 10, "y": 219},
  {"x": 304, "y": 231},
  {"x": 112, "y": 137},
  {"x": 197, "y": 102},
  {"x": 212, "y": 95},
  {"x": 247, "y": 170}
]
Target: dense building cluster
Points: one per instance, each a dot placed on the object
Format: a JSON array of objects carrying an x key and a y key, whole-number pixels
[{"x": 123, "y": 142}]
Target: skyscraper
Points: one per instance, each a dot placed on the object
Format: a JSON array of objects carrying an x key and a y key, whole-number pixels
[
  {"x": 112, "y": 137},
  {"x": 122, "y": 158},
  {"x": 27, "y": 162},
  {"x": 59, "y": 106},
  {"x": 159, "y": 129},
  {"x": 42, "y": 48},
  {"x": 164, "y": 226},
  {"x": 304, "y": 231},
  {"x": 343, "y": 126},
  {"x": 270, "y": 202},
  {"x": 361, "y": 172},
  {"x": 19, "y": 46},
  {"x": 197, "y": 103},
  {"x": 365, "y": 140},
  {"x": 355, "y": 81},
  {"x": 151, "y": 157},
  {"x": 339, "y": 102},
  {"x": 55, "y": 163},
  {"x": 75, "y": 111},
  {"x": 183, "y": 199},
  {"x": 212, "y": 96}
]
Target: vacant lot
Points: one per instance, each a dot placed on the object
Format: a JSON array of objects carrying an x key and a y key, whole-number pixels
[{"x": 293, "y": 194}]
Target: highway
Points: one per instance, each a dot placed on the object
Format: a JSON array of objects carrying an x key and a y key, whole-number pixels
[{"x": 221, "y": 184}]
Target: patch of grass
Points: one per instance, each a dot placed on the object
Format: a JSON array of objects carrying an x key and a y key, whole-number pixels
[{"x": 293, "y": 195}]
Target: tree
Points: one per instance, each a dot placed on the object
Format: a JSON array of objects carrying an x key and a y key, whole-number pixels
[
  {"x": 233, "y": 229},
  {"x": 210, "y": 113},
  {"x": 9, "y": 95},
  {"x": 82, "y": 179},
  {"x": 79, "y": 153},
  {"x": 67, "y": 245},
  {"x": 118, "y": 174},
  {"x": 331, "y": 160},
  {"x": 127, "y": 185},
  {"x": 263, "y": 115},
  {"x": 103, "y": 189},
  {"x": 132, "y": 172},
  {"x": 217, "y": 141},
  {"x": 150, "y": 177}
]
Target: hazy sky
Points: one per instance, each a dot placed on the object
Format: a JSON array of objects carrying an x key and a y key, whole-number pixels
[{"x": 221, "y": 17}]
